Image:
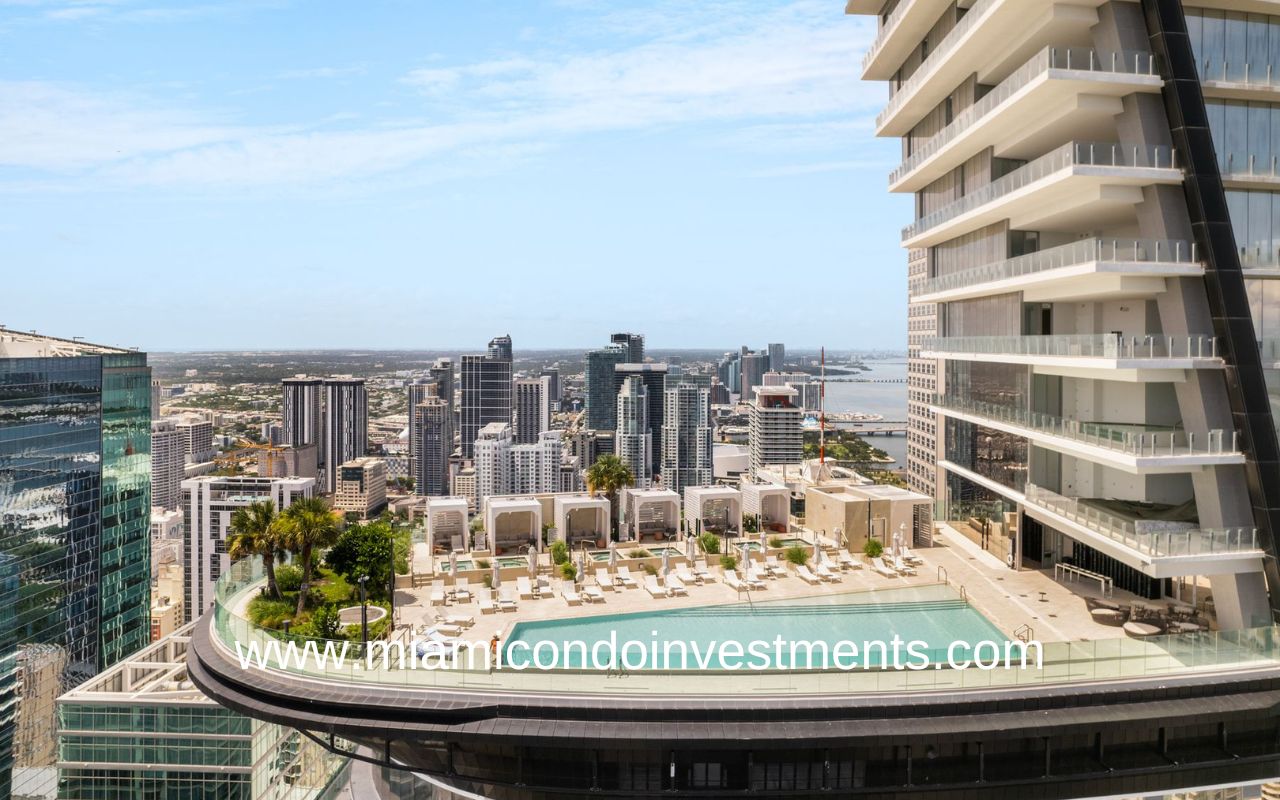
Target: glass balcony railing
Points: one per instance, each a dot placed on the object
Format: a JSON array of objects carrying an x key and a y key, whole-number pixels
[
  {"x": 1079, "y": 661},
  {"x": 1114, "y": 251},
  {"x": 1072, "y": 154},
  {"x": 1125, "y": 62},
  {"x": 1096, "y": 345},
  {"x": 944, "y": 50},
  {"x": 887, "y": 29},
  {"x": 1143, "y": 441},
  {"x": 1151, "y": 542},
  {"x": 1260, "y": 76}
]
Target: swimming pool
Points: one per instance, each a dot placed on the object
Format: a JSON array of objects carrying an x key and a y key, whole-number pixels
[
  {"x": 932, "y": 614},
  {"x": 465, "y": 564}
]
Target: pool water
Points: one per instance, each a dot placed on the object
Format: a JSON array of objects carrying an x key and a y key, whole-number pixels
[
  {"x": 465, "y": 564},
  {"x": 932, "y": 614}
]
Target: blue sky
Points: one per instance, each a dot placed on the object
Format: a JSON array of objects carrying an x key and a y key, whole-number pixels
[{"x": 412, "y": 174}]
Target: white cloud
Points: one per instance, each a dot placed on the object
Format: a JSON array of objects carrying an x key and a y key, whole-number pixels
[{"x": 717, "y": 65}]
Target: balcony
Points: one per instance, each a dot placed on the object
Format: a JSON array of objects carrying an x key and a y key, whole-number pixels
[
  {"x": 1250, "y": 173},
  {"x": 1134, "y": 448},
  {"x": 1239, "y": 81},
  {"x": 899, "y": 34},
  {"x": 992, "y": 39},
  {"x": 1159, "y": 549},
  {"x": 1103, "y": 355},
  {"x": 1042, "y": 99},
  {"x": 1078, "y": 185},
  {"x": 1083, "y": 270}
]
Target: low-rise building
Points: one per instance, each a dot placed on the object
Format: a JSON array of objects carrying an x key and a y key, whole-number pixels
[{"x": 361, "y": 487}]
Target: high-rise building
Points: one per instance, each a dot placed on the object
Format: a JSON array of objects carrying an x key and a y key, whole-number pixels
[
  {"x": 752, "y": 367},
  {"x": 807, "y": 387},
  {"x": 535, "y": 467},
  {"x": 361, "y": 487},
  {"x": 167, "y": 462},
  {"x": 719, "y": 393},
  {"x": 1099, "y": 276},
  {"x": 633, "y": 439},
  {"x": 531, "y": 410},
  {"x": 208, "y": 503},
  {"x": 75, "y": 466},
  {"x": 686, "y": 437},
  {"x": 776, "y": 434},
  {"x": 197, "y": 439},
  {"x": 442, "y": 373},
  {"x": 156, "y": 394},
  {"x": 654, "y": 377},
  {"x": 777, "y": 356},
  {"x": 431, "y": 445},
  {"x": 346, "y": 426},
  {"x": 302, "y": 410},
  {"x": 601, "y": 389},
  {"x": 492, "y": 460},
  {"x": 486, "y": 391},
  {"x": 633, "y": 343},
  {"x": 194, "y": 747},
  {"x": 415, "y": 393},
  {"x": 552, "y": 376}
]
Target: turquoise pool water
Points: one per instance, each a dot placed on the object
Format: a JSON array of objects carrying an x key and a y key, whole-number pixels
[
  {"x": 465, "y": 564},
  {"x": 934, "y": 615}
]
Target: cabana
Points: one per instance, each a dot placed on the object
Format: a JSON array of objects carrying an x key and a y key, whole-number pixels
[
  {"x": 446, "y": 524},
  {"x": 714, "y": 508},
  {"x": 649, "y": 512},
  {"x": 771, "y": 502},
  {"x": 513, "y": 522},
  {"x": 582, "y": 518}
]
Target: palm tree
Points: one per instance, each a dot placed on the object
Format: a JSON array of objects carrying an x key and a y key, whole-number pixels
[
  {"x": 256, "y": 531},
  {"x": 309, "y": 523},
  {"x": 609, "y": 474}
]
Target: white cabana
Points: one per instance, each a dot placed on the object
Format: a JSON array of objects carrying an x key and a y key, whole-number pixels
[
  {"x": 717, "y": 508},
  {"x": 446, "y": 523},
  {"x": 649, "y": 512},
  {"x": 581, "y": 518},
  {"x": 771, "y": 502},
  {"x": 513, "y": 522}
]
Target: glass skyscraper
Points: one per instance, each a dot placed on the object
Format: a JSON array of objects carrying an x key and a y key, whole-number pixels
[{"x": 75, "y": 500}]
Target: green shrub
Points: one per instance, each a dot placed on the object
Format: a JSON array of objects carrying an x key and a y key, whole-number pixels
[
  {"x": 559, "y": 552},
  {"x": 325, "y": 623},
  {"x": 750, "y": 524},
  {"x": 728, "y": 562},
  {"x": 569, "y": 571},
  {"x": 640, "y": 553},
  {"x": 483, "y": 563},
  {"x": 269, "y": 613},
  {"x": 797, "y": 555},
  {"x": 288, "y": 578},
  {"x": 487, "y": 581},
  {"x": 709, "y": 542},
  {"x": 775, "y": 541},
  {"x": 649, "y": 568},
  {"x": 873, "y": 549}
]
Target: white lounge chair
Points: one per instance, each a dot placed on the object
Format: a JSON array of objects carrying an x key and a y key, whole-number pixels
[
  {"x": 604, "y": 579},
  {"x": 753, "y": 579},
  {"x": 461, "y": 620},
  {"x": 675, "y": 586},
  {"x": 903, "y": 568},
  {"x": 806, "y": 575},
  {"x": 444, "y": 628},
  {"x": 461, "y": 591},
  {"x": 624, "y": 578},
  {"x": 525, "y": 587},
  {"x": 542, "y": 588},
  {"x": 505, "y": 599},
  {"x": 824, "y": 572},
  {"x": 849, "y": 561},
  {"x": 652, "y": 587},
  {"x": 731, "y": 580},
  {"x": 486, "y": 604},
  {"x": 701, "y": 570},
  {"x": 910, "y": 557},
  {"x": 570, "y": 596},
  {"x": 437, "y": 594},
  {"x": 687, "y": 577},
  {"x": 879, "y": 566},
  {"x": 775, "y": 567},
  {"x": 593, "y": 594}
]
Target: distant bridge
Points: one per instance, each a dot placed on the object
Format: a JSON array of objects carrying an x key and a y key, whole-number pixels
[{"x": 876, "y": 428}]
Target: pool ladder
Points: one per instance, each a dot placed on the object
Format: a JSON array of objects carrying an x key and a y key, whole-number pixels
[
  {"x": 1024, "y": 633},
  {"x": 943, "y": 577}
]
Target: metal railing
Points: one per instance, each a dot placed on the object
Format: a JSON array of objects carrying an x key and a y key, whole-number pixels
[
  {"x": 1126, "y": 62},
  {"x": 1187, "y": 541},
  {"x": 944, "y": 50},
  {"x": 1155, "y": 251},
  {"x": 1131, "y": 439},
  {"x": 1072, "y": 154},
  {"x": 1262, "y": 77},
  {"x": 887, "y": 29},
  {"x": 1095, "y": 345}
]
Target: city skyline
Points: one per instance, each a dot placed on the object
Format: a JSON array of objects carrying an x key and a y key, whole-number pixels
[{"x": 548, "y": 148}]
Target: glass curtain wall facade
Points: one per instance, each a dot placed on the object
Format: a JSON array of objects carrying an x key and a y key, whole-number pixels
[{"x": 75, "y": 491}]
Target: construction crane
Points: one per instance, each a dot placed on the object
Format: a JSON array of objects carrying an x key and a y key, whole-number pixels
[{"x": 245, "y": 449}]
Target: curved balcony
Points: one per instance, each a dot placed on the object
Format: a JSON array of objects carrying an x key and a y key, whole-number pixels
[
  {"x": 899, "y": 34},
  {"x": 1103, "y": 355},
  {"x": 1134, "y": 447},
  {"x": 1082, "y": 270},
  {"x": 1159, "y": 549},
  {"x": 1041, "y": 99},
  {"x": 1079, "y": 184}
]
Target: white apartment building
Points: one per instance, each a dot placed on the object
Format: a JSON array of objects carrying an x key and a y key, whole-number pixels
[
  {"x": 492, "y": 461},
  {"x": 208, "y": 504},
  {"x": 168, "y": 457},
  {"x": 776, "y": 430},
  {"x": 633, "y": 441},
  {"x": 197, "y": 439},
  {"x": 535, "y": 468}
]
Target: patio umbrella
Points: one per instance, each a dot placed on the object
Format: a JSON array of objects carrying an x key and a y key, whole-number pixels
[
  {"x": 613, "y": 555},
  {"x": 764, "y": 542},
  {"x": 689, "y": 549},
  {"x": 666, "y": 561},
  {"x": 533, "y": 561},
  {"x": 897, "y": 544},
  {"x": 582, "y": 566},
  {"x": 746, "y": 555},
  {"x": 495, "y": 579},
  {"x": 453, "y": 564}
]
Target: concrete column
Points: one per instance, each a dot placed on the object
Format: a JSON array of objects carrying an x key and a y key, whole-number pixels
[{"x": 1240, "y": 600}]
